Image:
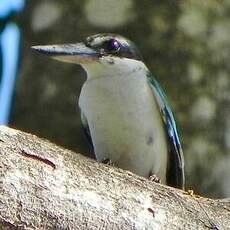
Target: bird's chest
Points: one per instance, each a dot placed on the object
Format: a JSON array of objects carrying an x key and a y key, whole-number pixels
[{"x": 116, "y": 100}]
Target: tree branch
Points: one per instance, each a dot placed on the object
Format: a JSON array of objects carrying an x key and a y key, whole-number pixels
[{"x": 43, "y": 186}]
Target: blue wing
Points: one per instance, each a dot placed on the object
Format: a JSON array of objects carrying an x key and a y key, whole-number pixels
[{"x": 175, "y": 168}]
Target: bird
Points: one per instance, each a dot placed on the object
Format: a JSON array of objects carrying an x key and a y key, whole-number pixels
[{"x": 124, "y": 111}]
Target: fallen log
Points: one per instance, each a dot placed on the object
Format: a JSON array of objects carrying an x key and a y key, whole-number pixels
[{"x": 43, "y": 186}]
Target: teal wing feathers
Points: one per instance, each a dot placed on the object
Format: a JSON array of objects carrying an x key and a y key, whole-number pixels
[{"x": 175, "y": 167}]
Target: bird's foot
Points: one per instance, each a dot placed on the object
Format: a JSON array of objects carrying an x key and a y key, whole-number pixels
[
  {"x": 154, "y": 178},
  {"x": 107, "y": 161}
]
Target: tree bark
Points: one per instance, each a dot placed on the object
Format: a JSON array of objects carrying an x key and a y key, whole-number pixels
[{"x": 43, "y": 186}]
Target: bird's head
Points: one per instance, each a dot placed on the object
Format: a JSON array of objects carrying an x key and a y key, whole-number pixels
[{"x": 100, "y": 55}]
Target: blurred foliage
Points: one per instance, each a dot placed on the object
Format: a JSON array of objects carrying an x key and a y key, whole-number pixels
[{"x": 186, "y": 44}]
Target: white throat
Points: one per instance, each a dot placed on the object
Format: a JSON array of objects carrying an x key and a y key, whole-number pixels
[{"x": 113, "y": 66}]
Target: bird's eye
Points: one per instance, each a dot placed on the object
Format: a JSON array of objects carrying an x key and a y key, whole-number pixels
[{"x": 113, "y": 45}]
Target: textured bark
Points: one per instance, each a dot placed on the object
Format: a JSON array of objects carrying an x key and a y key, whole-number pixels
[{"x": 43, "y": 186}]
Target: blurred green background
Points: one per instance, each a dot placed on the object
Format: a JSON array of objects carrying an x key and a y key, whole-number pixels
[{"x": 186, "y": 44}]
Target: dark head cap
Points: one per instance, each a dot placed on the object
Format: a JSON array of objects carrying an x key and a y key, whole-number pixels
[{"x": 113, "y": 45}]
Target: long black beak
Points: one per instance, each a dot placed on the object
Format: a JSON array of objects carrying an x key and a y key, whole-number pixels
[{"x": 75, "y": 53}]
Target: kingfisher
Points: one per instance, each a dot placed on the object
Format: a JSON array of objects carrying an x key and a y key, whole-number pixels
[{"x": 124, "y": 111}]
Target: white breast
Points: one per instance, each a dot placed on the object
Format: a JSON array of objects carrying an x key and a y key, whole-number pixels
[{"x": 125, "y": 123}]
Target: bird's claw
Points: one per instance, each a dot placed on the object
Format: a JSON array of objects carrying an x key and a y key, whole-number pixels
[
  {"x": 107, "y": 161},
  {"x": 154, "y": 178}
]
